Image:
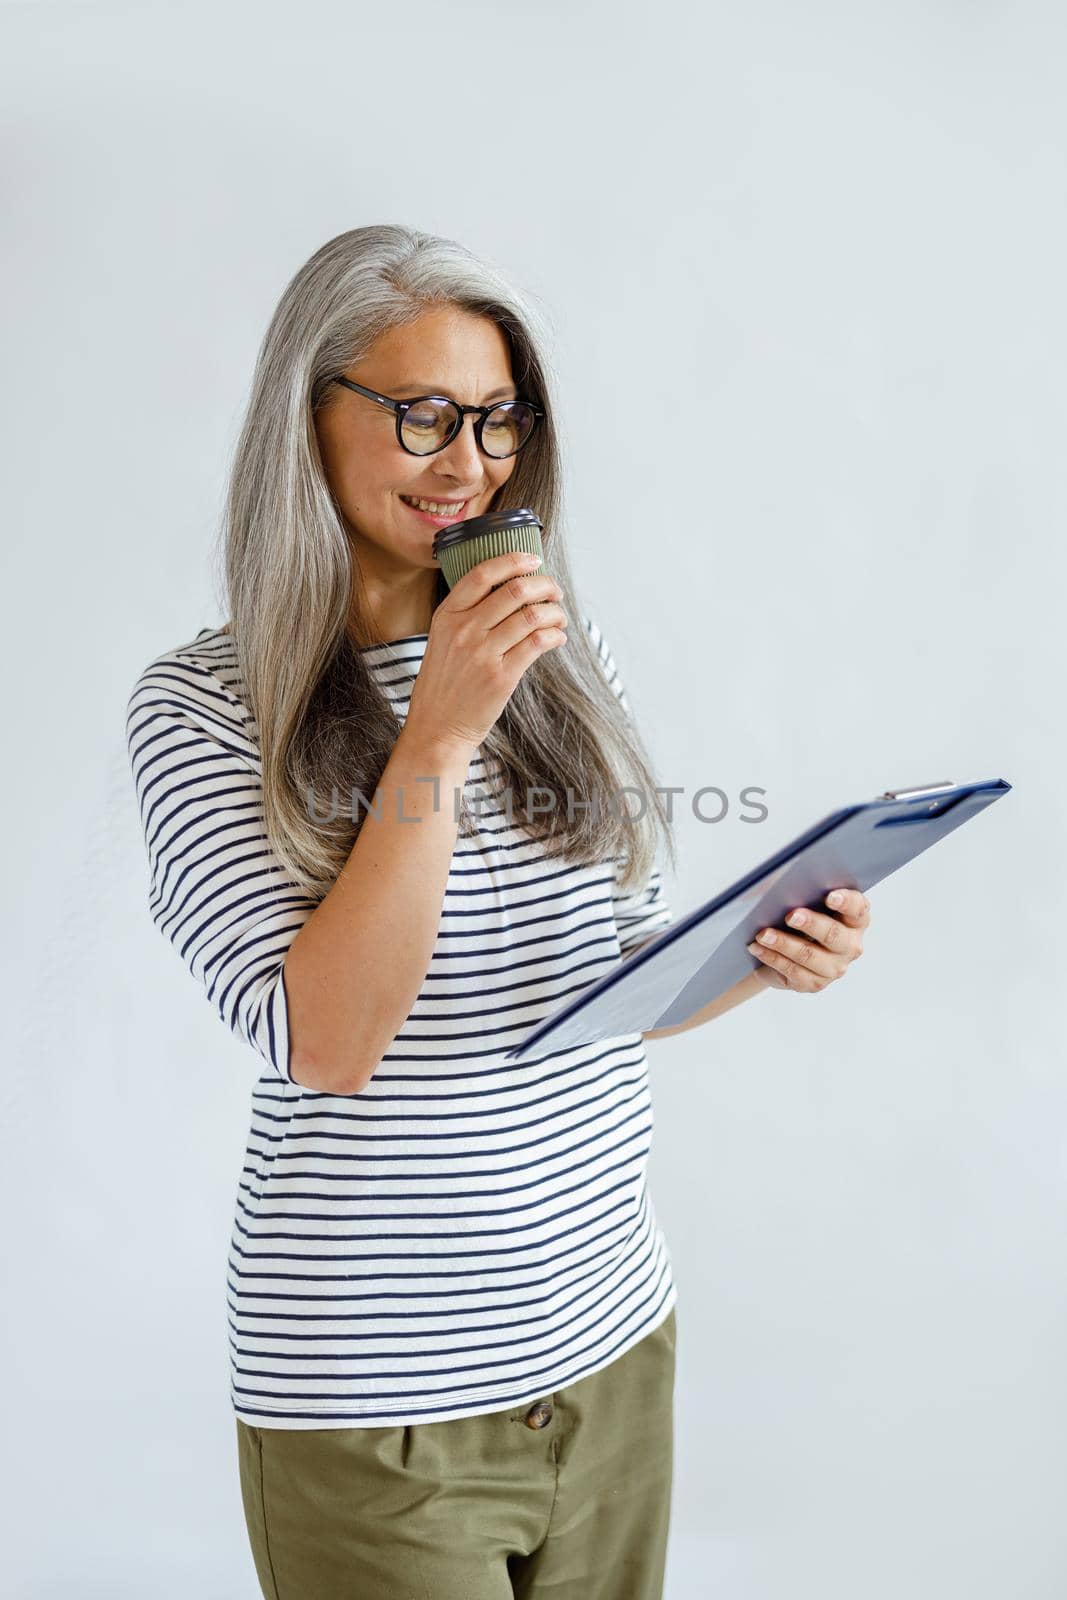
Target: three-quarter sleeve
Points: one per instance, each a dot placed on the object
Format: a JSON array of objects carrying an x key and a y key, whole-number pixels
[
  {"x": 645, "y": 910},
  {"x": 641, "y": 914},
  {"x": 217, "y": 892}
]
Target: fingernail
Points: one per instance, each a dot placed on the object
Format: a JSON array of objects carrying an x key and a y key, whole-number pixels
[
  {"x": 770, "y": 937},
  {"x": 834, "y": 899},
  {"x": 797, "y": 919},
  {"x": 531, "y": 561}
]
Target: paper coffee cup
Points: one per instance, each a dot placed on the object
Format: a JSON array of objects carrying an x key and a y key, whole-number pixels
[{"x": 461, "y": 545}]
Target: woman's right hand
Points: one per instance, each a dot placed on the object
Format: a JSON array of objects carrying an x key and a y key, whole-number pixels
[{"x": 481, "y": 641}]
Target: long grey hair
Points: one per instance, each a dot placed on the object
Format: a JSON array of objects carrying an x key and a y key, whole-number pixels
[{"x": 326, "y": 728}]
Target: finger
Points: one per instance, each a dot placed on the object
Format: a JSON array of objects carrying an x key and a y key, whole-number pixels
[
  {"x": 489, "y": 574},
  {"x": 854, "y": 908},
  {"x": 800, "y": 952},
  {"x": 828, "y": 931},
  {"x": 772, "y": 979},
  {"x": 800, "y": 978}
]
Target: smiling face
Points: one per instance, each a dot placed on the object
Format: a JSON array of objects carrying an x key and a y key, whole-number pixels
[{"x": 446, "y": 351}]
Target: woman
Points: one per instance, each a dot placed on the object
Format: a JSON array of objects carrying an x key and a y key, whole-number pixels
[{"x": 451, "y": 1305}]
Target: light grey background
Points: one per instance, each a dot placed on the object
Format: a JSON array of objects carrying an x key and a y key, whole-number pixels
[{"x": 805, "y": 264}]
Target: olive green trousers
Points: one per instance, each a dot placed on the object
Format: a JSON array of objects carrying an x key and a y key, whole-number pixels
[{"x": 566, "y": 1497}]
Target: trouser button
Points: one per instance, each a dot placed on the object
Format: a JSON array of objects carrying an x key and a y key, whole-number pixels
[{"x": 539, "y": 1416}]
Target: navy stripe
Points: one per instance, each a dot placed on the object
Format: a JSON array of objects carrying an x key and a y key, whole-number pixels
[{"x": 487, "y": 1227}]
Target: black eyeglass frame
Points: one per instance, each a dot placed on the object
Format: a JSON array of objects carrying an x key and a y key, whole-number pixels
[{"x": 402, "y": 407}]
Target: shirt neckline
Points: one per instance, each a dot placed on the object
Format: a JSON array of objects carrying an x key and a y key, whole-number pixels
[
  {"x": 409, "y": 644},
  {"x": 391, "y": 644},
  {"x": 406, "y": 652}
]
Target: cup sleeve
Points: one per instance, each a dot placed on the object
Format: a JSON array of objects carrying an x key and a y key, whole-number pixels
[
  {"x": 644, "y": 911},
  {"x": 217, "y": 892}
]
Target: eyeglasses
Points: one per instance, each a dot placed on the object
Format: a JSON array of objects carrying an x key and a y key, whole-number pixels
[{"x": 427, "y": 423}]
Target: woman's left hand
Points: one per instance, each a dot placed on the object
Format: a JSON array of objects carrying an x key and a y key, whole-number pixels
[{"x": 821, "y": 950}]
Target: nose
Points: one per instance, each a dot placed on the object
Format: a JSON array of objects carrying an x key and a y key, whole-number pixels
[{"x": 462, "y": 453}]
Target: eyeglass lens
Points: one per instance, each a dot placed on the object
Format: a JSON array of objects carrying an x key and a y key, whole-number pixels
[{"x": 427, "y": 425}]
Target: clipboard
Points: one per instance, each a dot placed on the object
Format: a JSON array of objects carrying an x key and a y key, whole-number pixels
[{"x": 693, "y": 961}]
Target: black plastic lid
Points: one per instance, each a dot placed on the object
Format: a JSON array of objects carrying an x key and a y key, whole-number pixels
[{"x": 456, "y": 532}]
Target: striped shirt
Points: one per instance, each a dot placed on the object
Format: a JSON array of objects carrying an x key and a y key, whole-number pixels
[{"x": 465, "y": 1234}]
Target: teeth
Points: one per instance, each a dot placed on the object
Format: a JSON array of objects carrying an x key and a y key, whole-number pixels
[{"x": 434, "y": 506}]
